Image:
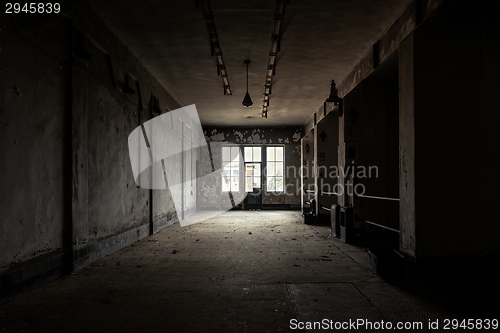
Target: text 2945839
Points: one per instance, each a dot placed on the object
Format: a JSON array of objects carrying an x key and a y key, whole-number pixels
[{"x": 32, "y": 8}]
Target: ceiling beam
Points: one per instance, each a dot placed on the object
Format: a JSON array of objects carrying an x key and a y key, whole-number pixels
[
  {"x": 275, "y": 48},
  {"x": 215, "y": 48}
]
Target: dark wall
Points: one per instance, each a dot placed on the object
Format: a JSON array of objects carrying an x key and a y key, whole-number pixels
[
  {"x": 34, "y": 97},
  {"x": 378, "y": 151},
  {"x": 445, "y": 127},
  {"x": 490, "y": 154},
  {"x": 71, "y": 93},
  {"x": 454, "y": 122}
]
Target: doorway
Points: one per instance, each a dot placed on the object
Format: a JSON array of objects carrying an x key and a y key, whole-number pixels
[{"x": 253, "y": 177}]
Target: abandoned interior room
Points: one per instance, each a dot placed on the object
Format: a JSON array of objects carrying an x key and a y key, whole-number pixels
[{"x": 249, "y": 166}]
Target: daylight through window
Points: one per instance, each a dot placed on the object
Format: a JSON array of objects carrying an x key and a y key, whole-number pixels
[
  {"x": 274, "y": 169},
  {"x": 231, "y": 169}
]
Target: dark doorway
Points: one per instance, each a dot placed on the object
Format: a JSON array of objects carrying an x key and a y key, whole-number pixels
[{"x": 253, "y": 177}]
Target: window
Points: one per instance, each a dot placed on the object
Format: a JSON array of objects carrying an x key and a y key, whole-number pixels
[
  {"x": 252, "y": 168},
  {"x": 274, "y": 169},
  {"x": 230, "y": 169},
  {"x": 252, "y": 154}
]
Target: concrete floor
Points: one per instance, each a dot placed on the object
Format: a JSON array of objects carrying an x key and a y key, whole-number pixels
[{"x": 233, "y": 273}]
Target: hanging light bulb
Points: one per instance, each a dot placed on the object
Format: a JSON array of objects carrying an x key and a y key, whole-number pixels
[{"x": 247, "y": 101}]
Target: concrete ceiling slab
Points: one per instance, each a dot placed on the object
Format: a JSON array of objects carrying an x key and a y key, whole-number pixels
[{"x": 321, "y": 40}]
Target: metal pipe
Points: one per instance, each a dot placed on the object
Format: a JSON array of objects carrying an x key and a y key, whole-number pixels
[
  {"x": 380, "y": 198},
  {"x": 330, "y": 193},
  {"x": 326, "y": 208},
  {"x": 382, "y": 226}
]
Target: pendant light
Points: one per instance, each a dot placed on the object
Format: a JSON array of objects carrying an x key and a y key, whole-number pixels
[{"x": 247, "y": 101}]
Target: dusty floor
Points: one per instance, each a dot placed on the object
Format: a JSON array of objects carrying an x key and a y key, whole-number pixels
[{"x": 239, "y": 272}]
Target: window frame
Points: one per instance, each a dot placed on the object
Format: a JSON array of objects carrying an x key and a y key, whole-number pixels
[
  {"x": 231, "y": 163},
  {"x": 253, "y": 161},
  {"x": 274, "y": 160}
]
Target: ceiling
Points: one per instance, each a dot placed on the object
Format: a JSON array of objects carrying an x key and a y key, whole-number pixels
[{"x": 321, "y": 40}]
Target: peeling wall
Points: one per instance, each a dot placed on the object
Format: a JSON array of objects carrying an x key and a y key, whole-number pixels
[
  {"x": 70, "y": 94},
  {"x": 287, "y": 137},
  {"x": 33, "y": 104},
  {"x": 111, "y": 200}
]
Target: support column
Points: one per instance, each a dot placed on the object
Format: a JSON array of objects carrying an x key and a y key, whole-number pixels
[
  {"x": 326, "y": 143},
  {"x": 307, "y": 162},
  {"x": 407, "y": 220}
]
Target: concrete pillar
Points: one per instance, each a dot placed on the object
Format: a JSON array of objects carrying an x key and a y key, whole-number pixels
[
  {"x": 349, "y": 140},
  {"x": 326, "y": 140},
  {"x": 407, "y": 222},
  {"x": 306, "y": 167}
]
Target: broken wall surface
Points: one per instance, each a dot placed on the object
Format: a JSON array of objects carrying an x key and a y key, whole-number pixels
[
  {"x": 289, "y": 138},
  {"x": 34, "y": 98},
  {"x": 112, "y": 95},
  {"x": 71, "y": 93}
]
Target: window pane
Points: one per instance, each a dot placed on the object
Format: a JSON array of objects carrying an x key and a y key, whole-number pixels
[
  {"x": 271, "y": 184},
  {"x": 235, "y": 184},
  {"x": 226, "y": 154},
  {"x": 279, "y": 153},
  {"x": 248, "y": 184},
  {"x": 270, "y": 154},
  {"x": 248, "y": 154},
  {"x": 225, "y": 184},
  {"x": 271, "y": 171},
  {"x": 230, "y": 169},
  {"x": 235, "y": 153},
  {"x": 256, "y": 154},
  {"x": 279, "y": 184},
  {"x": 249, "y": 170},
  {"x": 279, "y": 168},
  {"x": 256, "y": 170},
  {"x": 256, "y": 182}
]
